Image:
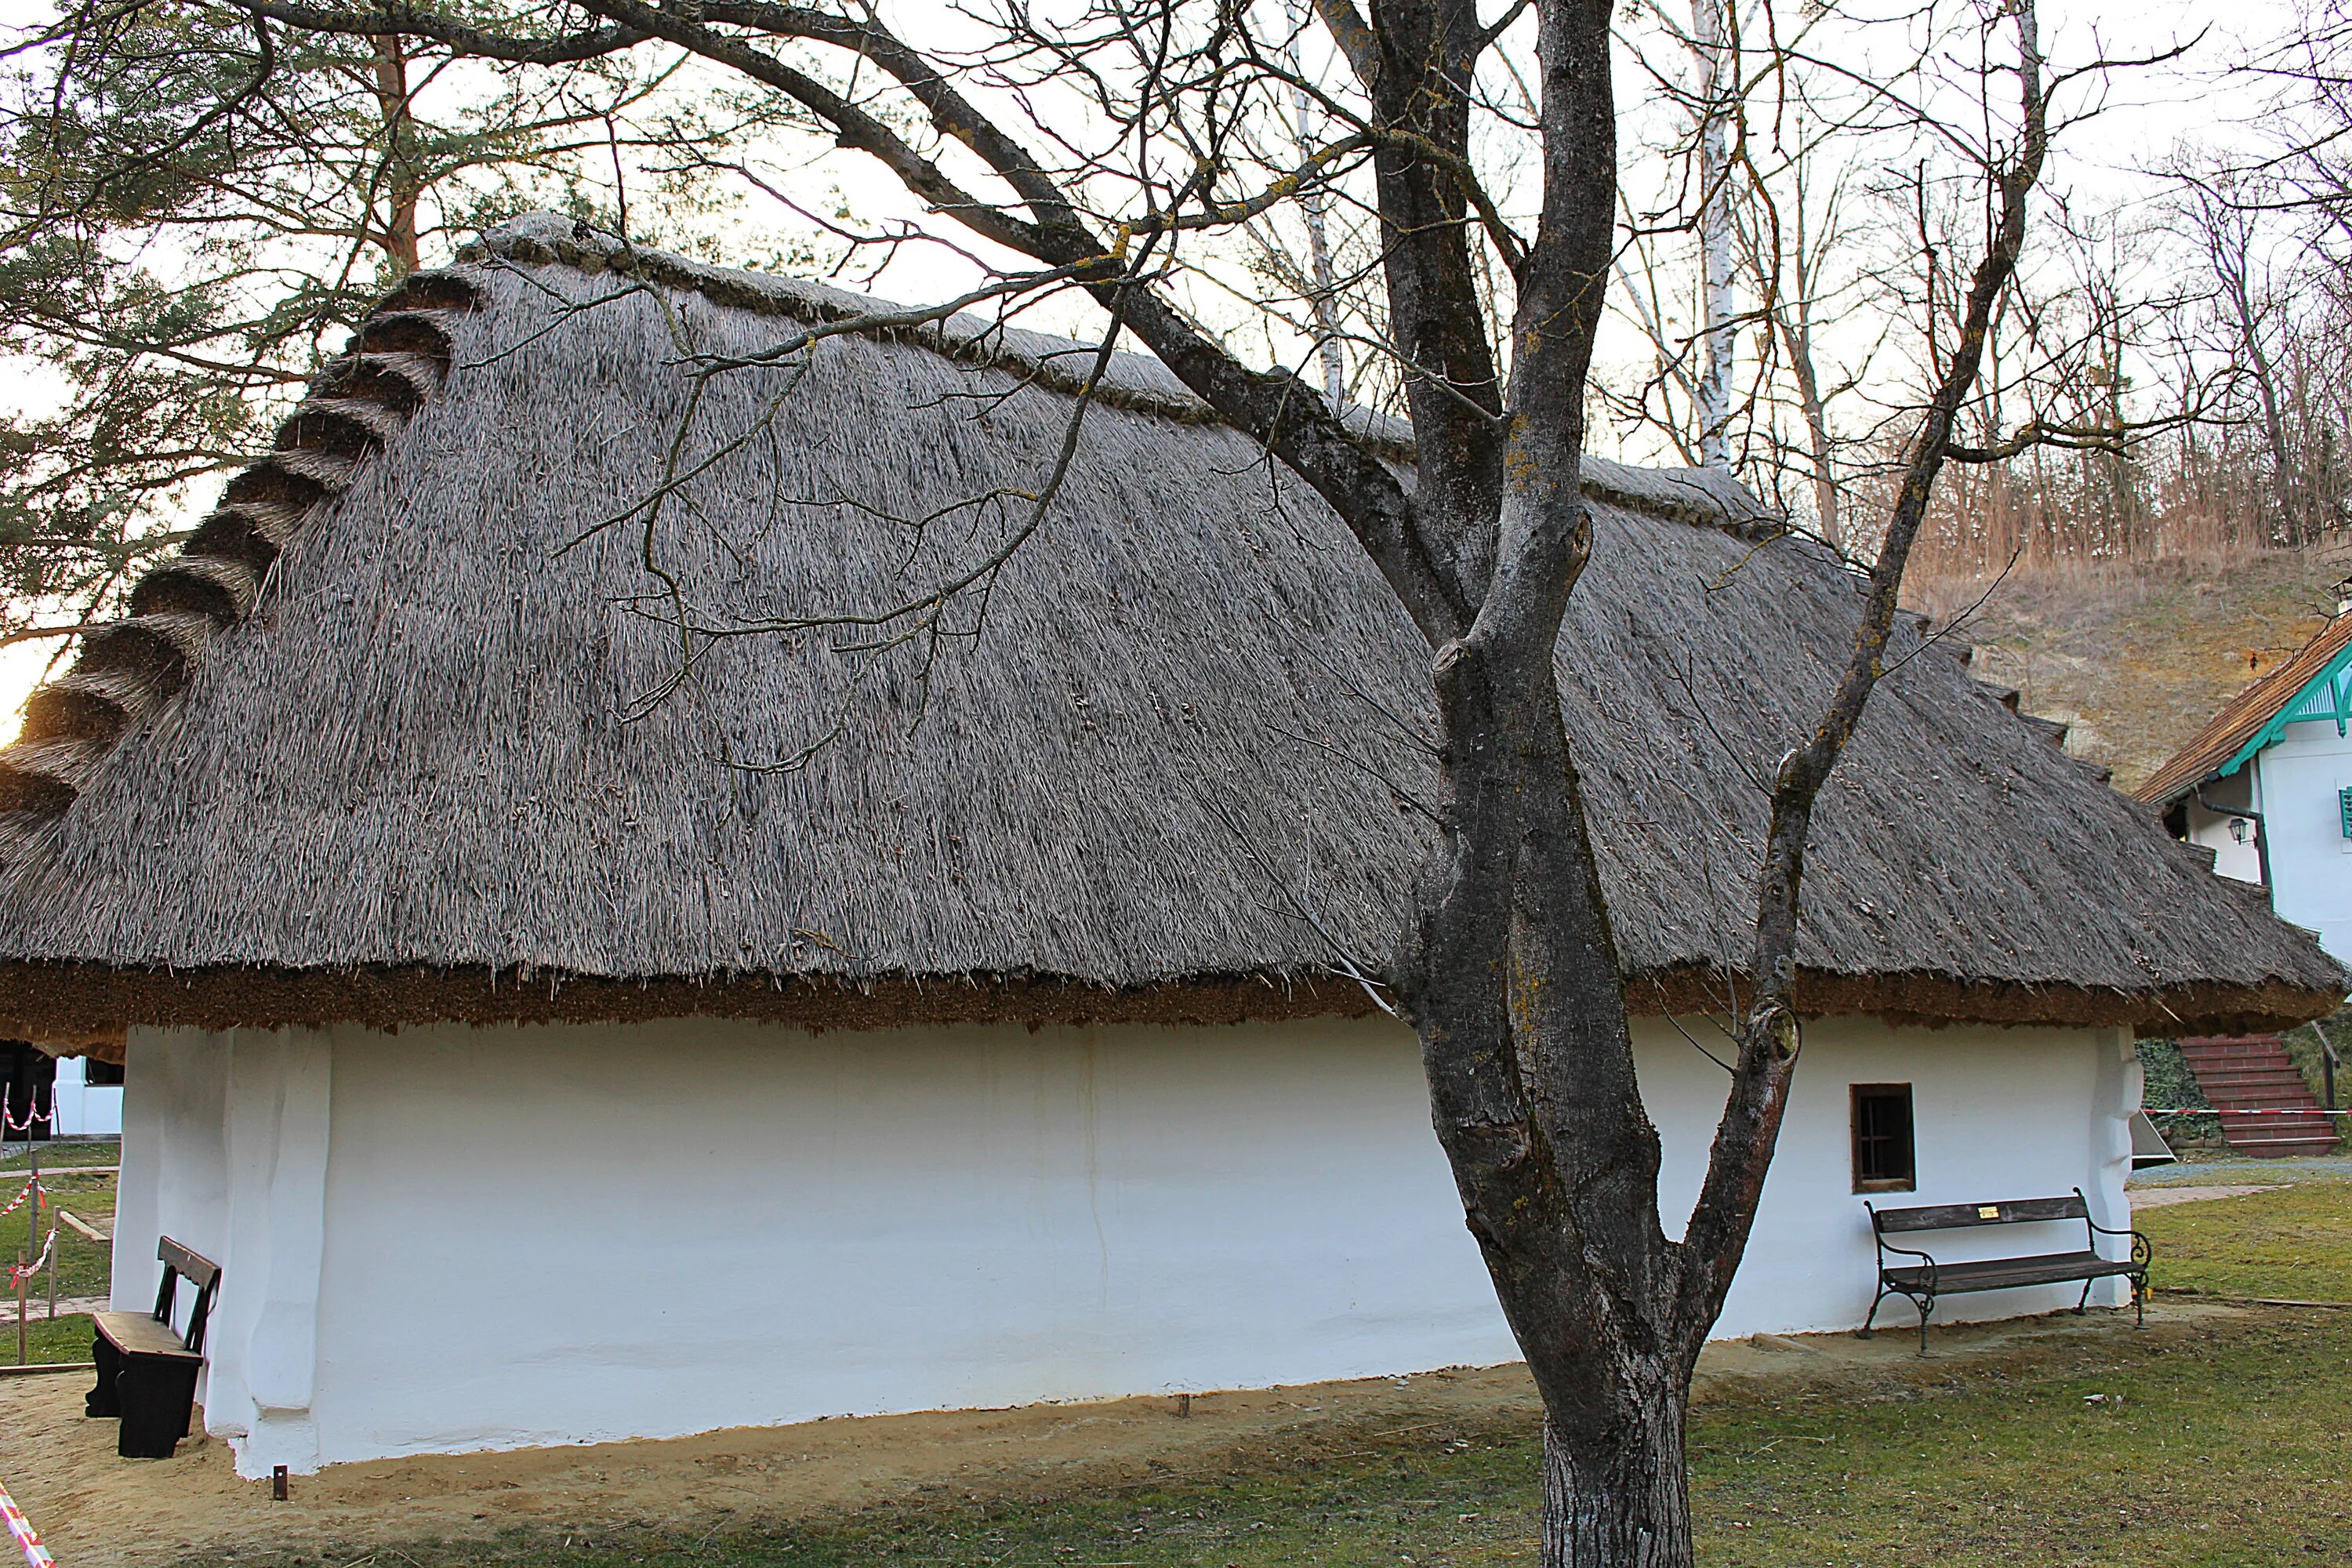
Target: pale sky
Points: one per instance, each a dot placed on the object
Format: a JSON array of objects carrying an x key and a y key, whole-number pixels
[{"x": 2102, "y": 164}]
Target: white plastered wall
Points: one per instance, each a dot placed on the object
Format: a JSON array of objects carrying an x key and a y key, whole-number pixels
[
  {"x": 225, "y": 1150},
  {"x": 2220, "y": 818},
  {"x": 84, "y": 1110},
  {"x": 453, "y": 1238},
  {"x": 2311, "y": 859}
]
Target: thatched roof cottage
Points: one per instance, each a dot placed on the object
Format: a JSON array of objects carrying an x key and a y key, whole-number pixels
[{"x": 848, "y": 1021}]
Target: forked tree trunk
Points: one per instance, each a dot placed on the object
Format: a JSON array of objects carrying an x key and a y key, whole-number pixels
[{"x": 1511, "y": 973}]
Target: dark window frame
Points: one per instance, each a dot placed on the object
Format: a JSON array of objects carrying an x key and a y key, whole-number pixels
[{"x": 1870, "y": 1145}]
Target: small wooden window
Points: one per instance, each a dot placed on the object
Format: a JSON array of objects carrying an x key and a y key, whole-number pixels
[{"x": 1883, "y": 1160}]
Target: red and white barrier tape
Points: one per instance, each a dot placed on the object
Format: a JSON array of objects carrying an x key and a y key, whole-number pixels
[
  {"x": 2195, "y": 1111},
  {"x": 33, "y": 1114},
  {"x": 18, "y": 1272},
  {"x": 20, "y": 1530},
  {"x": 32, "y": 1185}
]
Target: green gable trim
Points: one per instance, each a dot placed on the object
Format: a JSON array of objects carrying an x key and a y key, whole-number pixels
[{"x": 2327, "y": 695}]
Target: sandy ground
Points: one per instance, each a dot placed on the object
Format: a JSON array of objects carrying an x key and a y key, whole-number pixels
[
  {"x": 96, "y": 1510},
  {"x": 2162, "y": 1197}
]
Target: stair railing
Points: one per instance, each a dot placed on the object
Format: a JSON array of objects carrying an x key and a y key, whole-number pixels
[{"x": 2328, "y": 1063}]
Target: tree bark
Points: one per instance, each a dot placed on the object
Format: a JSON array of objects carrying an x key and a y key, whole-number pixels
[
  {"x": 1798, "y": 335},
  {"x": 1720, "y": 338},
  {"x": 403, "y": 190},
  {"x": 1618, "y": 1497}
]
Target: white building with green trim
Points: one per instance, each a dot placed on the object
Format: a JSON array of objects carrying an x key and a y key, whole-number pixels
[{"x": 2267, "y": 786}]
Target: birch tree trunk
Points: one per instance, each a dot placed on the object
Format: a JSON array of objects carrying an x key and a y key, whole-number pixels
[
  {"x": 1718, "y": 336},
  {"x": 1314, "y": 205}
]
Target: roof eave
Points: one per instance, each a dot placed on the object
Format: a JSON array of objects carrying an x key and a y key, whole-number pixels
[
  {"x": 2274, "y": 727},
  {"x": 67, "y": 1003}
]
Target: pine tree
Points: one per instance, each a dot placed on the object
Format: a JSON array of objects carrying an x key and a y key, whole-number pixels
[{"x": 195, "y": 205}]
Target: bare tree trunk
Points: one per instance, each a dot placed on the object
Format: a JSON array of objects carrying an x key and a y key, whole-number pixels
[
  {"x": 2227, "y": 245},
  {"x": 1797, "y": 336},
  {"x": 1786, "y": 271}
]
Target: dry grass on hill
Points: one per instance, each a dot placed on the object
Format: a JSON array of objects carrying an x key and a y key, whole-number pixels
[{"x": 2136, "y": 656}]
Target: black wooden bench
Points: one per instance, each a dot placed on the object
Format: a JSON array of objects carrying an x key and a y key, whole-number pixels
[
  {"x": 146, "y": 1370},
  {"x": 1927, "y": 1279}
]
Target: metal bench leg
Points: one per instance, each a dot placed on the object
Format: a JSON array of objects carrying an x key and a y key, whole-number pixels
[
  {"x": 104, "y": 1400},
  {"x": 1927, "y": 1305},
  {"x": 2084, "y": 1305},
  {"x": 1863, "y": 1331},
  {"x": 159, "y": 1402},
  {"x": 2139, "y": 1300}
]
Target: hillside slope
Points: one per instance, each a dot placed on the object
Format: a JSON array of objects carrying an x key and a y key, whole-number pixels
[{"x": 2137, "y": 657}]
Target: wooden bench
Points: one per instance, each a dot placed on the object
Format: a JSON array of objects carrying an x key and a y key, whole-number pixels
[
  {"x": 1927, "y": 1279},
  {"x": 146, "y": 1370}
]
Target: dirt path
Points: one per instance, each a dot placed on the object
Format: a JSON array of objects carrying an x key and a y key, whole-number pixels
[
  {"x": 2164, "y": 1197},
  {"x": 98, "y": 1510},
  {"x": 66, "y": 1307}
]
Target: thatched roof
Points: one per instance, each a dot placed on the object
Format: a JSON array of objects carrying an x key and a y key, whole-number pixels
[
  {"x": 2240, "y": 729},
  {"x": 406, "y": 736}
]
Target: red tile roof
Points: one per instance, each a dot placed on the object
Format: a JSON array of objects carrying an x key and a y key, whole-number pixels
[{"x": 2244, "y": 716}]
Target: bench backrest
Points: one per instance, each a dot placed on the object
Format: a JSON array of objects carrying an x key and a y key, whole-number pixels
[
  {"x": 1960, "y": 1217},
  {"x": 180, "y": 1263}
]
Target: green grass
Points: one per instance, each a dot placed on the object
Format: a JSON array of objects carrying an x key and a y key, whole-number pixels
[
  {"x": 2217, "y": 1445},
  {"x": 2218, "y": 1449},
  {"x": 2296, "y": 1243},
  {"x": 64, "y": 1339},
  {"x": 83, "y": 1267},
  {"x": 99, "y": 1152}
]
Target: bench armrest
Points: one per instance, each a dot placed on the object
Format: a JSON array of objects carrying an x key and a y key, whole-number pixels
[
  {"x": 1884, "y": 1247},
  {"x": 2141, "y": 1252}
]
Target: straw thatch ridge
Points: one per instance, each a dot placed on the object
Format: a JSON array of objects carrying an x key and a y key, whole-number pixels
[
  {"x": 128, "y": 669},
  {"x": 1702, "y": 495},
  {"x": 456, "y": 766}
]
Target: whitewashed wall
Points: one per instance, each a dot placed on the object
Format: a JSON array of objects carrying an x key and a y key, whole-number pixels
[
  {"x": 2311, "y": 859},
  {"x": 84, "y": 1110},
  {"x": 2221, "y": 827},
  {"x": 454, "y": 1238}
]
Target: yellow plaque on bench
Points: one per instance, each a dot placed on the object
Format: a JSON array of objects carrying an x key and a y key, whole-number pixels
[{"x": 1987, "y": 1211}]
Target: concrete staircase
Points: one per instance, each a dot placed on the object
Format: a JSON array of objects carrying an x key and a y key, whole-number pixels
[{"x": 2267, "y": 1108}]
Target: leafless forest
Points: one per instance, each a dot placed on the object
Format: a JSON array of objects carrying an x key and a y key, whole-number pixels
[{"x": 2168, "y": 381}]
